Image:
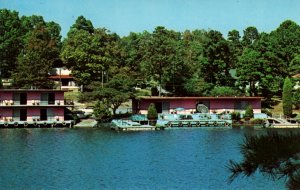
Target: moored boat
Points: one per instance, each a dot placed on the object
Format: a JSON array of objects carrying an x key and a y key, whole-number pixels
[{"x": 129, "y": 125}]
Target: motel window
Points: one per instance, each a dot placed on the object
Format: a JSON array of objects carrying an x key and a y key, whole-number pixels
[
  {"x": 47, "y": 98},
  {"x": 20, "y": 98}
]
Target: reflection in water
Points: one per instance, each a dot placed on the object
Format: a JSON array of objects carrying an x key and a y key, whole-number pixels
[{"x": 96, "y": 158}]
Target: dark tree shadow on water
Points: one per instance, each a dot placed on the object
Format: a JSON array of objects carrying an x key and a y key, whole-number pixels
[{"x": 274, "y": 154}]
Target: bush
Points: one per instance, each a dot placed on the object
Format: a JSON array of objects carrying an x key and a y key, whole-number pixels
[
  {"x": 152, "y": 113},
  {"x": 101, "y": 111},
  {"x": 257, "y": 121},
  {"x": 249, "y": 112},
  {"x": 296, "y": 99},
  {"x": 266, "y": 111},
  {"x": 236, "y": 116}
]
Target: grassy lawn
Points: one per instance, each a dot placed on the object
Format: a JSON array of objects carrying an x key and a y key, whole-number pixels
[{"x": 277, "y": 108}]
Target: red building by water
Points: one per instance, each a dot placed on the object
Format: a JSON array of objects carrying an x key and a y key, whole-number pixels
[
  {"x": 22, "y": 107},
  {"x": 214, "y": 104}
]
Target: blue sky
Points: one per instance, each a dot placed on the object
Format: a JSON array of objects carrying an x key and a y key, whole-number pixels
[{"x": 124, "y": 16}]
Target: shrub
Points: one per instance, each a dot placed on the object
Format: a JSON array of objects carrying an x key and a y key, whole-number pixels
[
  {"x": 152, "y": 113},
  {"x": 236, "y": 116},
  {"x": 266, "y": 111},
  {"x": 101, "y": 111},
  {"x": 257, "y": 121},
  {"x": 296, "y": 98},
  {"x": 249, "y": 112}
]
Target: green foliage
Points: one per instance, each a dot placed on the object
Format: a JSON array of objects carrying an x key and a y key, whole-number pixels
[
  {"x": 249, "y": 112},
  {"x": 273, "y": 154},
  {"x": 101, "y": 111},
  {"x": 152, "y": 112},
  {"x": 89, "y": 52},
  {"x": 224, "y": 91},
  {"x": 162, "y": 60},
  {"x": 294, "y": 67},
  {"x": 296, "y": 98},
  {"x": 287, "y": 98},
  {"x": 188, "y": 63},
  {"x": 266, "y": 111},
  {"x": 249, "y": 69},
  {"x": 35, "y": 62},
  {"x": 82, "y": 23},
  {"x": 197, "y": 87},
  {"x": 115, "y": 92},
  {"x": 250, "y": 35},
  {"x": 236, "y": 116},
  {"x": 10, "y": 41},
  {"x": 257, "y": 121},
  {"x": 215, "y": 64},
  {"x": 287, "y": 37}
]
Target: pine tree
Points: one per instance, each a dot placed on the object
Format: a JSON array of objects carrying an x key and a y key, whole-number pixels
[
  {"x": 152, "y": 113},
  {"x": 249, "y": 112},
  {"x": 287, "y": 98}
]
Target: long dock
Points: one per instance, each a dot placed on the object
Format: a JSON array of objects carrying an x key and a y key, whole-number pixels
[
  {"x": 199, "y": 123},
  {"x": 190, "y": 120},
  {"x": 36, "y": 124}
]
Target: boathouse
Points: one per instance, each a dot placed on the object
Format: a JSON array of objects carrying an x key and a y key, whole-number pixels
[
  {"x": 195, "y": 104},
  {"x": 23, "y": 107}
]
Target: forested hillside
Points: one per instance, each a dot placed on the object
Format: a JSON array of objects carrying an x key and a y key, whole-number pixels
[{"x": 188, "y": 63}]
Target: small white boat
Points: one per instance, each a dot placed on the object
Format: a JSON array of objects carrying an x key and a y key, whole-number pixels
[
  {"x": 280, "y": 123},
  {"x": 127, "y": 125}
]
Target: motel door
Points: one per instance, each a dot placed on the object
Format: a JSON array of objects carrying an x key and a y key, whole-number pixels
[
  {"x": 47, "y": 98},
  {"x": 47, "y": 114},
  {"x": 43, "y": 114},
  {"x": 23, "y": 114},
  {"x": 158, "y": 106},
  {"x": 20, "y": 114},
  {"x": 165, "y": 107},
  {"x": 162, "y": 107},
  {"x": 20, "y": 98}
]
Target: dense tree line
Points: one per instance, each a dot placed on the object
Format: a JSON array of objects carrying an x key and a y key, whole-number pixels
[{"x": 189, "y": 63}]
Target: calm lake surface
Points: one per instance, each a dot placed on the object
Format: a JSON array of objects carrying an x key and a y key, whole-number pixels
[{"x": 103, "y": 159}]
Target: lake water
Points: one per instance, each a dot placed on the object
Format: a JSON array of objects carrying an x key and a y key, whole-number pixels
[{"x": 103, "y": 159}]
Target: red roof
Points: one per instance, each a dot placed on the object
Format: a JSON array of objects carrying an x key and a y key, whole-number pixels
[{"x": 60, "y": 77}]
